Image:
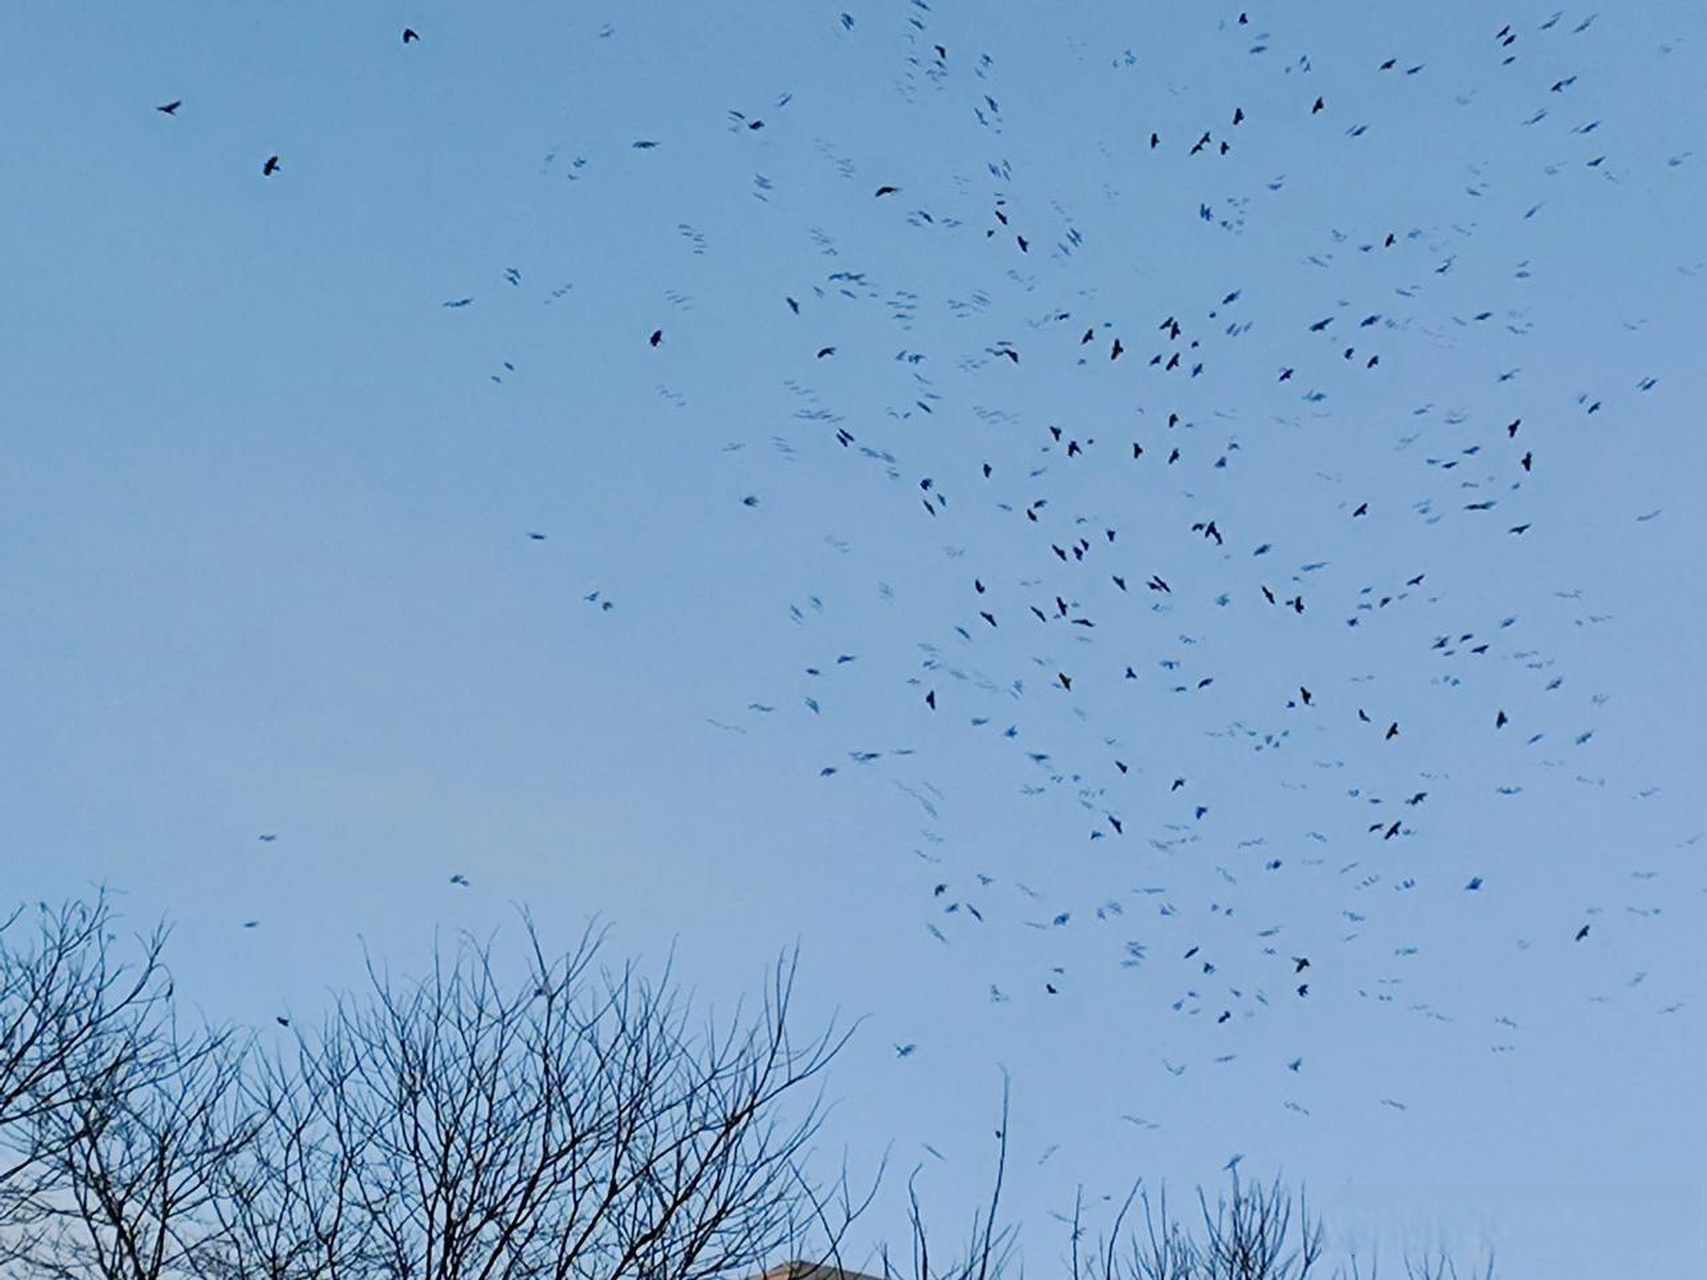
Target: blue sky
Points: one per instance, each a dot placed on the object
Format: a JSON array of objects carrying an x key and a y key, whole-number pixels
[{"x": 265, "y": 553}]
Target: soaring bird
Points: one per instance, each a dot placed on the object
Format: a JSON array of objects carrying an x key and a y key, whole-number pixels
[
  {"x": 271, "y": 167},
  {"x": 1582, "y": 933},
  {"x": 409, "y": 33},
  {"x": 171, "y": 108},
  {"x": 657, "y": 337},
  {"x": 887, "y": 191}
]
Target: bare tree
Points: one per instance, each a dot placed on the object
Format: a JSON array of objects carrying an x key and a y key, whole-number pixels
[
  {"x": 1255, "y": 1231},
  {"x": 76, "y": 1024},
  {"x": 567, "y": 1121},
  {"x": 987, "y": 1250},
  {"x": 129, "y": 1172}
]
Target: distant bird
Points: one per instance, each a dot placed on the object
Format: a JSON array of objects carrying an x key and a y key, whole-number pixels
[
  {"x": 460, "y": 879},
  {"x": 171, "y": 108},
  {"x": 282, "y": 1021},
  {"x": 1300, "y": 963},
  {"x": 1317, "y": 107},
  {"x": 657, "y": 337},
  {"x": 271, "y": 167},
  {"x": 409, "y": 33},
  {"x": 1501, "y": 720},
  {"x": 251, "y": 924},
  {"x": 826, "y": 351},
  {"x": 887, "y": 191},
  {"x": 535, "y": 537},
  {"x": 267, "y": 837},
  {"x": 1392, "y": 731},
  {"x": 930, "y": 699},
  {"x": 1582, "y": 933},
  {"x": 904, "y": 1050},
  {"x": 1475, "y": 882}
]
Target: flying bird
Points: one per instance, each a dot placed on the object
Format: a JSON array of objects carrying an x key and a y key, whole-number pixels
[
  {"x": 271, "y": 167},
  {"x": 409, "y": 33},
  {"x": 171, "y": 108}
]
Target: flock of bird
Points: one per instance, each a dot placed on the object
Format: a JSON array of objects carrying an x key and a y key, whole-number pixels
[{"x": 1125, "y": 566}]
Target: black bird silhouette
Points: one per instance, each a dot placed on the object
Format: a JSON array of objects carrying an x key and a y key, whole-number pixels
[
  {"x": 1066, "y": 680},
  {"x": 271, "y": 167},
  {"x": 1582, "y": 933},
  {"x": 171, "y": 108},
  {"x": 1317, "y": 107},
  {"x": 1392, "y": 731},
  {"x": 1300, "y": 963},
  {"x": 1155, "y": 141},
  {"x": 826, "y": 351},
  {"x": 1238, "y": 115},
  {"x": 409, "y": 33},
  {"x": 930, "y": 699},
  {"x": 887, "y": 191},
  {"x": 283, "y": 1022},
  {"x": 657, "y": 337}
]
